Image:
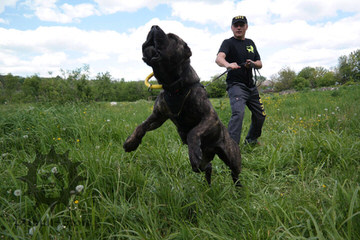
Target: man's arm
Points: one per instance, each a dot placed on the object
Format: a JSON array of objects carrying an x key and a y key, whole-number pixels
[
  {"x": 221, "y": 61},
  {"x": 256, "y": 64}
]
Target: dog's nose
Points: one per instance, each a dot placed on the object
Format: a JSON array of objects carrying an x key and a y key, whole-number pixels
[{"x": 155, "y": 27}]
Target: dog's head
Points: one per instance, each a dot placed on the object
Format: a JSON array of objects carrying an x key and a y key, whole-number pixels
[{"x": 165, "y": 53}]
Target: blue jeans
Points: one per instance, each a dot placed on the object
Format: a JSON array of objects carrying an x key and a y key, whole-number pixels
[{"x": 241, "y": 95}]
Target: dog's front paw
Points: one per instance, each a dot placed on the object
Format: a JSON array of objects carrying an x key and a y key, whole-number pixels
[{"x": 131, "y": 144}]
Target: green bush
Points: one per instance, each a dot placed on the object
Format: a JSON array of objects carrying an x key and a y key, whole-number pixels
[{"x": 300, "y": 83}]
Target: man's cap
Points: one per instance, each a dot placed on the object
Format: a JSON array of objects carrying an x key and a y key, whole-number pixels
[{"x": 239, "y": 19}]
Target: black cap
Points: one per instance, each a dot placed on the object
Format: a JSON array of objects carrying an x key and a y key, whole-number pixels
[{"x": 239, "y": 19}]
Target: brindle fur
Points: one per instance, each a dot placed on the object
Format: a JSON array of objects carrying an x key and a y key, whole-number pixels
[{"x": 197, "y": 122}]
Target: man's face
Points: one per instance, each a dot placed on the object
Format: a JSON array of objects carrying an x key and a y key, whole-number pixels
[{"x": 239, "y": 30}]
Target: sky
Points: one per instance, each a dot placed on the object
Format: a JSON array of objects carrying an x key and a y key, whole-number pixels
[{"x": 48, "y": 37}]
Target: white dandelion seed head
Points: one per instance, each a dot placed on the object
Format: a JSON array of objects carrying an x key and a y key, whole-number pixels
[
  {"x": 17, "y": 192},
  {"x": 60, "y": 227},
  {"x": 79, "y": 188},
  {"x": 32, "y": 230},
  {"x": 54, "y": 170},
  {"x": 25, "y": 136}
]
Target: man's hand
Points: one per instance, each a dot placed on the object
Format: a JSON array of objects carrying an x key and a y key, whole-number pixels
[
  {"x": 251, "y": 64},
  {"x": 233, "y": 66}
]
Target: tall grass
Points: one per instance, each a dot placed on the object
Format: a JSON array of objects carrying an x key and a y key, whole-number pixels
[{"x": 301, "y": 183}]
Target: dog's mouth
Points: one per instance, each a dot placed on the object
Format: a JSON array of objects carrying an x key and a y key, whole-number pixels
[{"x": 155, "y": 43}]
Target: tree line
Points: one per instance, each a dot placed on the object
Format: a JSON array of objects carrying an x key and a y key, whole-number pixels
[{"x": 76, "y": 85}]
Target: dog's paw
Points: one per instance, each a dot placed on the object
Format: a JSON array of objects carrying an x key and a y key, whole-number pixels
[{"x": 130, "y": 145}]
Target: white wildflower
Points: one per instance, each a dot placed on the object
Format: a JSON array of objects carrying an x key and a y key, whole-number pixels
[
  {"x": 32, "y": 230},
  {"x": 60, "y": 227},
  {"x": 113, "y": 103},
  {"x": 17, "y": 192},
  {"x": 25, "y": 136},
  {"x": 54, "y": 170},
  {"x": 79, "y": 188},
  {"x": 108, "y": 120}
]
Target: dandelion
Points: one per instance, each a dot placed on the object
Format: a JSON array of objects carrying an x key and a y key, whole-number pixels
[
  {"x": 60, "y": 227},
  {"x": 17, "y": 193},
  {"x": 325, "y": 109},
  {"x": 324, "y": 186},
  {"x": 32, "y": 230},
  {"x": 332, "y": 113},
  {"x": 54, "y": 170},
  {"x": 58, "y": 139},
  {"x": 77, "y": 140},
  {"x": 25, "y": 136},
  {"x": 79, "y": 188},
  {"x": 76, "y": 201}
]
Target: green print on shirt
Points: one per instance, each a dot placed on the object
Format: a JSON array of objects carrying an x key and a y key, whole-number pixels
[{"x": 250, "y": 48}]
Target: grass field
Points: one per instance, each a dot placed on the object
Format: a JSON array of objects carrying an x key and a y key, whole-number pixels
[{"x": 301, "y": 183}]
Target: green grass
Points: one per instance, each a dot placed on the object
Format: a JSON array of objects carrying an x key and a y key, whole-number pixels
[{"x": 301, "y": 183}]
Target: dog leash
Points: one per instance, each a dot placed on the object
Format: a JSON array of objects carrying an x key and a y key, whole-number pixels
[
  {"x": 227, "y": 70},
  {"x": 242, "y": 65}
]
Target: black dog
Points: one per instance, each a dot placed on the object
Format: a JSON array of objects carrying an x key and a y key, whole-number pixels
[{"x": 184, "y": 101}]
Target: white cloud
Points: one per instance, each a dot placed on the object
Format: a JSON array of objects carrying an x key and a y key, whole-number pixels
[
  {"x": 66, "y": 13},
  {"x": 112, "y": 6},
  {"x": 5, "y": 3},
  {"x": 284, "y": 32},
  {"x": 4, "y": 21}
]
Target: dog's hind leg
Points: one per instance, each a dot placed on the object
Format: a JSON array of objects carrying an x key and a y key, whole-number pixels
[
  {"x": 208, "y": 171},
  {"x": 230, "y": 155},
  {"x": 206, "y": 166}
]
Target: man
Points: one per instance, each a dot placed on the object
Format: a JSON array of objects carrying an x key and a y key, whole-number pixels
[{"x": 239, "y": 55}]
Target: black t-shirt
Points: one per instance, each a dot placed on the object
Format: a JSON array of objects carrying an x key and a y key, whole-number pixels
[{"x": 238, "y": 51}]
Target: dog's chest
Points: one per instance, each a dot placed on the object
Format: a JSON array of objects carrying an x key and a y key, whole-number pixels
[{"x": 175, "y": 101}]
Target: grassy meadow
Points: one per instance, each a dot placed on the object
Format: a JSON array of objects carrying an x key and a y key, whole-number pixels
[{"x": 301, "y": 183}]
